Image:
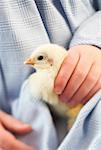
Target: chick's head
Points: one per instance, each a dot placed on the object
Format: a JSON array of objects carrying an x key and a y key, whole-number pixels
[{"x": 46, "y": 57}]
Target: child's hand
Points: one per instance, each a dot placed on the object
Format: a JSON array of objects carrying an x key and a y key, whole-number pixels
[
  {"x": 79, "y": 77},
  {"x": 8, "y": 126}
]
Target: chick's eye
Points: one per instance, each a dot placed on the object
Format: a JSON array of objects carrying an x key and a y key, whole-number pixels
[{"x": 40, "y": 57}]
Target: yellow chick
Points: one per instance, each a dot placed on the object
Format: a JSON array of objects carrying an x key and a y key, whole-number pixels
[{"x": 47, "y": 60}]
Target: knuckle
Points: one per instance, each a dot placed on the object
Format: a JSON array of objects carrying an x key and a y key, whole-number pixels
[
  {"x": 100, "y": 82},
  {"x": 80, "y": 73},
  {"x": 92, "y": 78},
  {"x": 0, "y": 114},
  {"x": 70, "y": 61},
  {"x": 63, "y": 97}
]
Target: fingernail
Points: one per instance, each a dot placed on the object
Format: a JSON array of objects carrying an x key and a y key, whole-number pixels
[
  {"x": 57, "y": 91},
  {"x": 71, "y": 103},
  {"x": 63, "y": 99},
  {"x": 26, "y": 125}
]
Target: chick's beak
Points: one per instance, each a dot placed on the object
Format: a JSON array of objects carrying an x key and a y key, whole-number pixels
[{"x": 29, "y": 61}]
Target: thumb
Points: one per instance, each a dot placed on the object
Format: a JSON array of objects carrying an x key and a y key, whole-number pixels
[{"x": 13, "y": 124}]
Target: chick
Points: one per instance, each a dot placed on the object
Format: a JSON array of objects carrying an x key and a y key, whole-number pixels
[{"x": 47, "y": 60}]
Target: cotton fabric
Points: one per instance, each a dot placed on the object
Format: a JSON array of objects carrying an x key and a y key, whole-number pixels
[{"x": 26, "y": 24}]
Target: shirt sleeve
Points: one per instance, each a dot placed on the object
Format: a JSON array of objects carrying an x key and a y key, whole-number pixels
[
  {"x": 84, "y": 19},
  {"x": 77, "y": 12},
  {"x": 89, "y": 32}
]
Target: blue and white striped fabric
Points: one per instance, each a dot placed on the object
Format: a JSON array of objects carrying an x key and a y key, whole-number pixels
[{"x": 26, "y": 24}]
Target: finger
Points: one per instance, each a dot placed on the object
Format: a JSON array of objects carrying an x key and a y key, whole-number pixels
[
  {"x": 95, "y": 89},
  {"x": 14, "y": 125},
  {"x": 8, "y": 142},
  {"x": 87, "y": 85},
  {"x": 17, "y": 145},
  {"x": 76, "y": 79},
  {"x": 66, "y": 71}
]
